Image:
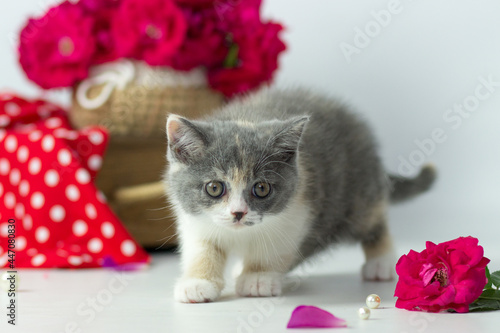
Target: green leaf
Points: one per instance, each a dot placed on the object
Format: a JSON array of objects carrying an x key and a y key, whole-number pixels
[
  {"x": 488, "y": 284},
  {"x": 231, "y": 60},
  {"x": 495, "y": 278},
  {"x": 490, "y": 294},
  {"x": 484, "y": 305}
]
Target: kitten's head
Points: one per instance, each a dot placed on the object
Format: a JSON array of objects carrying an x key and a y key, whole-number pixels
[{"x": 235, "y": 173}]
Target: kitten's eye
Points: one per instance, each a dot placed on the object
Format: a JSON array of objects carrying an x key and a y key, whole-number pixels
[
  {"x": 261, "y": 190},
  {"x": 215, "y": 189}
]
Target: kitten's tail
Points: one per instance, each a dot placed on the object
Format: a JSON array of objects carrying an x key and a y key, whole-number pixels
[{"x": 405, "y": 188}]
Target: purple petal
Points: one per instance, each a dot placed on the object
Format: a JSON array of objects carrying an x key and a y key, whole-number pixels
[
  {"x": 108, "y": 262},
  {"x": 311, "y": 316}
]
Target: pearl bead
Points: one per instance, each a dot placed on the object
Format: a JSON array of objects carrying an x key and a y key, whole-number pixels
[
  {"x": 373, "y": 301},
  {"x": 364, "y": 313},
  {"x": 5, "y": 283}
]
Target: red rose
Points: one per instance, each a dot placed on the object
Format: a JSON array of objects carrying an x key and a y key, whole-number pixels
[
  {"x": 105, "y": 43},
  {"x": 56, "y": 49},
  {"x": 102, "y": 12},
  {"x": 448, "y": 275},
  {"x": 198, "y": 3},
  {"x": 205, "y": 41},
  {"x": 149, "y": 30},
  {"x": 97, "y": 5},
  {"x": 258, "y": 52}
]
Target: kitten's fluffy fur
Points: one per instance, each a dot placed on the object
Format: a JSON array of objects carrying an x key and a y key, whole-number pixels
[{"x": 327, "y": 185}]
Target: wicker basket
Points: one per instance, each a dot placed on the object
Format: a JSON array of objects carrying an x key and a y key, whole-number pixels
[{"x": 132, "y": 101}]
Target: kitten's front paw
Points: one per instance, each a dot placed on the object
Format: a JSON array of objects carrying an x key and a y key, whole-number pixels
[
  {"x": 259, "y": 284},
  {"x": 380, "y": 268},
  {"x": 196, "y": 291}
]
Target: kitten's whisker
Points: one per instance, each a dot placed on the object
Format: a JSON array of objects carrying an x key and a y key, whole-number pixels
[
  {"x": 260, "y": 162},
  {"x": 263, "y": 242},
  {"x": 288, "y": 239},
  {"x": 275, "y": 252},
  {"x": 166, "y": 241},
  {"x": 274, "y": 173},
  {"x": 271, "y": 162}
]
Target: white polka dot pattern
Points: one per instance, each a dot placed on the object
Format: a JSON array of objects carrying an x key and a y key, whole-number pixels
[
  {"x": 23, "y": 154},
  {"x": 10, "y": 143},
  {"x": 42, "y": 234},
  {"x": 46, "y": 184},
  {"x": 48, "y": 143},
  {"x": 4, "y": 166},
  {"x": 20, "y": 243},
  {"x": 90, "y": 211},
  {"x": 15, "y": 177},
  {"x": 128, "y": 248},
  {"x": 95, "y": 162},
  {"x": 80, "y": 228},
  {"x": 64, "y": 157},
  {"x": 107, "y": 230},
  {"x": 38, "y": 260},
  {"x": 57, "y": 213},
  {"x": 9, "y": 200},
  {"x": 27, "y": 222},
  {"x": 72, "y": 193},
  {"x": 24, "y": 188},
  {"x": 51, "y": 178},
  {"x": 94, "y": 245},
  {"x": 37, "y": 200},
  {"x": 82, "y": 176},
  {"x": 34, "y": 166}
]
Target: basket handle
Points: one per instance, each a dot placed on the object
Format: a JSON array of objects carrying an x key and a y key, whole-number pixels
[{"x": 112, "y": 75}]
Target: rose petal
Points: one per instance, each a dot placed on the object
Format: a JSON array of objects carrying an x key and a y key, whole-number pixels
[
  {"x": 311, "y": 316},
  {"x": 427, "y": 273}
]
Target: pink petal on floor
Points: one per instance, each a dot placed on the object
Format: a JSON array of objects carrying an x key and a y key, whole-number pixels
[{"x": 312, "y": 316}]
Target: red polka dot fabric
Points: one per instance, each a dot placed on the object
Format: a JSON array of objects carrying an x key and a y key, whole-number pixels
[{"x": 46, "y": 186}]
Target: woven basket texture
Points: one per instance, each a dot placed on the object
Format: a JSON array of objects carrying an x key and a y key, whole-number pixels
[
  {"x": 141, "y": 111},
  {"x": 135, "y": 117}
]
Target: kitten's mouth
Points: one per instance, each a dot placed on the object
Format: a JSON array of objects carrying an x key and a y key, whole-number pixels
[{"x": 239, "y": 224}]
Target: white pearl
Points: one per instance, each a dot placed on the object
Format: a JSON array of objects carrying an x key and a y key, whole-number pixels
[
  {"x": 373, "y": 301},
  {"x": 5, "y": 281},
  {"x": 364, "y": 313}
]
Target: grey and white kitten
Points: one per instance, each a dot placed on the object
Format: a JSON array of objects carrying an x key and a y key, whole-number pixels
[{"x": 275, "y": 178}]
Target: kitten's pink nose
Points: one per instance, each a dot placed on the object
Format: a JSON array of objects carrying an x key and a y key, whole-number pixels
[{"x": 239, "y": 215}]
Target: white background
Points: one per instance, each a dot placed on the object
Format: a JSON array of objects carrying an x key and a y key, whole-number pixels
[{"x": 425, "y": 60}]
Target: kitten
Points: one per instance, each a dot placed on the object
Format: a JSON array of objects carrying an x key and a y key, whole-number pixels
[{"x": 275, "y": 178}]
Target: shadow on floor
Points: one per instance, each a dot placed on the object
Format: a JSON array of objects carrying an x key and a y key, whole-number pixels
[{"x": 336, "y": 288}]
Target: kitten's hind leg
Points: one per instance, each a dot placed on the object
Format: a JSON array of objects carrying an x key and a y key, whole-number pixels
[{"x": 378, "y": 248}]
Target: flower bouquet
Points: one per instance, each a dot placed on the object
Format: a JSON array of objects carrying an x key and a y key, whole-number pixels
[{"x": 130, "y": 62}]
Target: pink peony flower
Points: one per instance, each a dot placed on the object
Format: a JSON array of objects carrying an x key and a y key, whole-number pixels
[
  {"x": 53, "y": 50},
  {"x": 205, "y": 41},
  {"x": 258, "y": 52},
  {"x": 149, "y": 30},
  {"x": 448, "y": 275}
]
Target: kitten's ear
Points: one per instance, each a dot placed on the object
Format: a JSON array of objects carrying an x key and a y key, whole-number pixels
[
  {"x": 186, "y": 140},
  {"x": 288, "y": 138}
]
